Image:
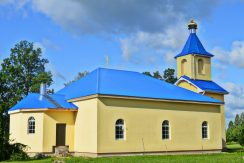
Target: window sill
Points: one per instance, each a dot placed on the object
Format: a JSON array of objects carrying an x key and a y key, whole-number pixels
[
  {"x": 166, "y": 139},
  {"x": 120, "y": 139}
]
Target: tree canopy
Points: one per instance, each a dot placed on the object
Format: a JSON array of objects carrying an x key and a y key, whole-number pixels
[
  {"x": 21, "y": 73},
  {"x": 168, "y": 75},
  {"x": 235, "y": 130}
]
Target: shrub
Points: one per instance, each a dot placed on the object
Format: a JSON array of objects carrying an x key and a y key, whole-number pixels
[
  {"x": 19, "y": 156},
  {"x": 40, "y": 156},
  {"x": 17, "y": 151}
]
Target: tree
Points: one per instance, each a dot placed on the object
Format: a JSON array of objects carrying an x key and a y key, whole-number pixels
[
  {"x": 169, "y": 75},
  {"x": 237, "y": 120},
  {"x": 79, "y": 76},
  {"x": 21, "y": 73},
  {"x": 231, "y": 124},
  {"x": 241, "y": 137},
  {"x": 235, "y": 130},
  {"x": 147, "y": 73},
  {"x": 242, "y": 118},
  {"x": 157, "y": 75}
]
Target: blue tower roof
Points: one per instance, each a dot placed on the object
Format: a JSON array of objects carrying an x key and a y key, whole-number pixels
[
  {"x": 194, "y": 46},
  {"x": 205, "y": 85}
]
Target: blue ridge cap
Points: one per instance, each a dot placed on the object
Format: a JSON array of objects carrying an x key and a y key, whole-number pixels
[
  {"x": 194, "y": 46},
  {"x": 37, "y": 101},
  {"x": 130, "y": 84},
  {"x": 206, "y": 85}
]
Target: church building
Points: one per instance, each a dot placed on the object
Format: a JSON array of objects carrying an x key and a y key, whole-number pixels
[{"x": 116, "y": 112}]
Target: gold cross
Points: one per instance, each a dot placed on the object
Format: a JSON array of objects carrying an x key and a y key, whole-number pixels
[{"x": 107, "y": 60}]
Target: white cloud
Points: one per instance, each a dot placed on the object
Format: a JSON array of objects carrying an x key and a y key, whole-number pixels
[
  {"x": 235, "y": 56},
  {"x": 144, "y": 45},
  {"x": 120, "y": 16},
  {"x": 145, "y": 25},
  {"x": 234, "y": 101}
]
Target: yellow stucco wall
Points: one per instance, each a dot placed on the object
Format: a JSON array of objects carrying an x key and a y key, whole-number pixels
[
  {"x": 221, "y": 98},
  {"x": 86, "y": 126},
  {"x": 92, "y": 128},
  {"x": 51, "y": 118},
  {"x": 188, "y": 68},
  {"x": 18, "y": 130},
  {"x": 187, "y": 85},
  {"x": 217, "y": 96},
  {"x": 191, "y": 69},
  {"x": 207, "y": 68},
  {"x": 143, "y": 120}
]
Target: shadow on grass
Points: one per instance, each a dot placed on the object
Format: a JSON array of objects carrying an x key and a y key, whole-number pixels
[{"x": 234, "y": 147}]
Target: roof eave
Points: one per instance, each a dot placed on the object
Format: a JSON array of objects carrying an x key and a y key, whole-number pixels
[
  {"x": 141, "y": 98},
  {"x": 218, "y": 92},
  {"x": 40, "y": 109},
  {"x": 195, "y": 53}
]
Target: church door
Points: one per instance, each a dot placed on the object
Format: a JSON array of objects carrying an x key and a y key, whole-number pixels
[{"x": 60, "y": 134}]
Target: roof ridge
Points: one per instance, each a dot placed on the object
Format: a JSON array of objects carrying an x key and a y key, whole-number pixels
[{"x": 199, "y": 44}]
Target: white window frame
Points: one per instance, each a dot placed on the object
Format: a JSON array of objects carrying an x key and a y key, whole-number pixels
[
  {"x": 31, "y": 125},
  {"x": 165, "y": 130},
  {"x": 205, "y": 130},
  {"x": 120, "y": 129}
]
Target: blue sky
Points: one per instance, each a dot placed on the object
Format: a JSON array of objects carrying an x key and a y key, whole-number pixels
[{"x": 137, "y": 35}]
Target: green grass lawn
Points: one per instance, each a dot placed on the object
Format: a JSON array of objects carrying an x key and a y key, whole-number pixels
[{"x": 235, "y": 154}]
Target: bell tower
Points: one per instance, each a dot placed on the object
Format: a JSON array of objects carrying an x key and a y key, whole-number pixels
[
  {"x": 194, "y": 61},
  {"x": 194, "y": 72}
]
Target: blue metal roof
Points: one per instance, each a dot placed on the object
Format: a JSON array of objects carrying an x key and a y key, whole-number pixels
[
  {"x": 194, "y": 46},
  {"x": 36, "y": 101},
  {"x": 207, "y": 85},
  {"x": 127, "y": 83}
]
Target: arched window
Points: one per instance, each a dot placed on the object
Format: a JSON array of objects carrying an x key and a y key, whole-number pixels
[
  {"x": 205, "y": 130},
  {"x": 119, "y": 129},
  {"x": 165, "y": 130},
  {"x": 183, "y": 67},
  {"x": 200, "y": 66},
  {"x": 31, "y": 125}
]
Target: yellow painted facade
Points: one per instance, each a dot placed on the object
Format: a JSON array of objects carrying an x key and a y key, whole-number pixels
[
  {"x": 51, "y": 118},
  {"x": 18, "y": 130},
  {"x": 188, "y": 85},
  {"x": 188, "y": 65},
  {"x": 143, "y": 126},
  {"x": 91, "y": 130},
  {"x": 86, "y": 127},
  {"x": 44, "y": 137}
]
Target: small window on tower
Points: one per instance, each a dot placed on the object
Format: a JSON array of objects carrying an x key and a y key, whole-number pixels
[
  {"x": 183, "y": 67},
  {"x": 200, "y": 66}
]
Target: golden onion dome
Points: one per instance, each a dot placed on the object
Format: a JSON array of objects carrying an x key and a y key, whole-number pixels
[{"x": 192, "y": 25}]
